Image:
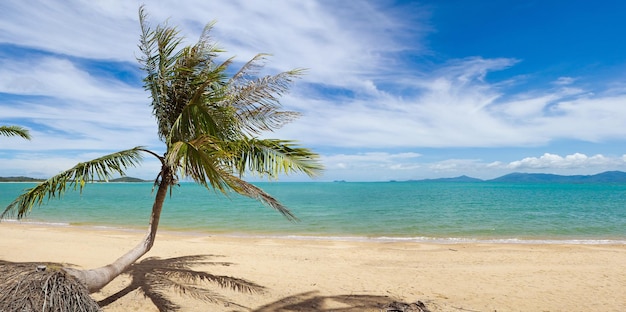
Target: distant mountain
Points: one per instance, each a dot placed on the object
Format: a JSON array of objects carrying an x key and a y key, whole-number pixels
[
  {"x": 604, "y": 177},
  {"x": 518, "y": 177},
  {"x": 532, "y": 177}
]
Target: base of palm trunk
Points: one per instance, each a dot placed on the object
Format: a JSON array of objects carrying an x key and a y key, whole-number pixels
[{"x": 31, "y": 287}]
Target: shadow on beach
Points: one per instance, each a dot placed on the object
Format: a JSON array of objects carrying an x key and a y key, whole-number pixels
[
  {"x": 155, "y": 278},
  {"x": 311, "y": 301}
]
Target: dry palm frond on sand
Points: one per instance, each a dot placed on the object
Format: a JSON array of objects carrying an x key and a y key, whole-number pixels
[{"x": 42, "y": 288}]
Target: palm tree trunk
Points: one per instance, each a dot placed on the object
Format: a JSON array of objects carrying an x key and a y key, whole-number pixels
[{"x": 95, "y": 279}]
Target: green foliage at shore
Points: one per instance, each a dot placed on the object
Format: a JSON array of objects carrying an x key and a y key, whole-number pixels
[
  {"x": 19, "y": 179},
  {"x": 128, "y": 179},
  {"x": 28, "y": 179}
]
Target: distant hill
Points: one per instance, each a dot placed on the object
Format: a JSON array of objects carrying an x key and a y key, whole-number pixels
[
  {"x": 127, "y": 179},
  {"x": 518, "y": 177},
  {"x": 604, "y": 177},
  {"x": 19, "y": 179}
]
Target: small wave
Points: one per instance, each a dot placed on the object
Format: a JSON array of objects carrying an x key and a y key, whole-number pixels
[
  {"x": 457, "y": 240},
  {"x": 442, "y": 240},
  {"x": 45, "y": 223}
]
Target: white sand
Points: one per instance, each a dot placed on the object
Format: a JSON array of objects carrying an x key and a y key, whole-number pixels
[{"x": 302, "y": 273}]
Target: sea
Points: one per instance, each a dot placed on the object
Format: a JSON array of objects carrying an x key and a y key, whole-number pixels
[{"x": 441, "y": 212}]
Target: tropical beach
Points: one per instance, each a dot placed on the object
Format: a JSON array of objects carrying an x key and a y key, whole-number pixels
[
  {"x": 446, "y": 157},
  {"x": 322, "y": 275},
  {"x": 454, "y": 246}
]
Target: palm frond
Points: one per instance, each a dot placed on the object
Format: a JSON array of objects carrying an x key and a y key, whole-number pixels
[
  {"x": 101, "y": 168},
  {"x": 257, "y": 101},
  {"x": 23, "y": 288},
  {"x": 271, "y": 157},
  {"x": 201, "y": 116},
  {"x": 250, "y": 69},
  {"x": 159, "y": 48},
  {"x": 196, "y": 159},
  {"x": 249, "y": 190},
  {"x": 15, "y": 131}
]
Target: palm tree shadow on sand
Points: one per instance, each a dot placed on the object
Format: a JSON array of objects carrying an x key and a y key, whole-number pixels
[
  {"x": 155, "y": 278},
  {"x": 311, "y": 301},
  {"x": 21, "y": 289}
]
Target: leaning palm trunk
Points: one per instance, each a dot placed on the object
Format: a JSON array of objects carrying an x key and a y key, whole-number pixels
[{"x": 95, "y": 279}]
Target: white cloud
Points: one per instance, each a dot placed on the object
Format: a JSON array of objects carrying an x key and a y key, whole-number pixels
[
  {"x": 452, "y": 105},
  {"x": 412, "y": 166},
  {"x": 74, "y": 109},
  {"x": 90, "y": 29},
  {"x": 553, "y": 161}
]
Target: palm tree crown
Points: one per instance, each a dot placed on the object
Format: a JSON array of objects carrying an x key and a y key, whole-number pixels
[{"x": 208, "y": 122}]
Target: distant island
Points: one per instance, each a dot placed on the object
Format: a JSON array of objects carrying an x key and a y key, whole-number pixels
[
  {"x": 518, "y": 177},
  {"x": 19, "y": 179},
  {"x": 128, "y": 179},
  {"x": 27, "y": 179}
]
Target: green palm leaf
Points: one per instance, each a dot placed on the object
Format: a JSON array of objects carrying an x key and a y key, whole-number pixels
[
  {"x": 101, "y": 168},
  {"x": 14, "y": 131},
  {"x": 249, "y": 190},
  {"x": 201, "y": 166},
  {"x": 257, "y": 100},
  {"x": 194, "y": 159},
  {"x": 271, "y": 157}
]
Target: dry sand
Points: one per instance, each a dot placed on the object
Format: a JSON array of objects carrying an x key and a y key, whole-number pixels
[{"x": 321, "y": 275}]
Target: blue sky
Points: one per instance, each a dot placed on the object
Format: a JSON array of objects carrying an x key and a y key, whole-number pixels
[{"x": 394, "y": 89}]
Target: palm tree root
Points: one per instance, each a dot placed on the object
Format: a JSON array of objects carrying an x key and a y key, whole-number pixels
[{"x": 31, "y": 287}]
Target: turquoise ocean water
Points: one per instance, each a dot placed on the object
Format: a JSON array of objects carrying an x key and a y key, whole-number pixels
[{"x": 419, "y": 211}]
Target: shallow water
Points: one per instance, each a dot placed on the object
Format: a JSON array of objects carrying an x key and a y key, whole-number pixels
[{"x": 421, "y": 211}]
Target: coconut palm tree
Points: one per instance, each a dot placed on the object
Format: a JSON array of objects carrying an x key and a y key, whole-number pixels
[
  {"x": 210, "y": 124},
  {"x": 14, "y": 131}
]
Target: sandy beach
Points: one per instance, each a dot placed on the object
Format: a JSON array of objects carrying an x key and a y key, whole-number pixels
[{"x": 327, "y": 275}]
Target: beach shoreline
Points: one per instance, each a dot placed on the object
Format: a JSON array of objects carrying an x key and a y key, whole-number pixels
[
  {"x": 447, "y": 277},
  {"x": 524, "y": 240}
]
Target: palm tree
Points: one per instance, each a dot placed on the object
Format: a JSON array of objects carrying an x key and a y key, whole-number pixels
[
  {"x": 210, "y": 125},
  {"x": 14, "y": 131}
]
